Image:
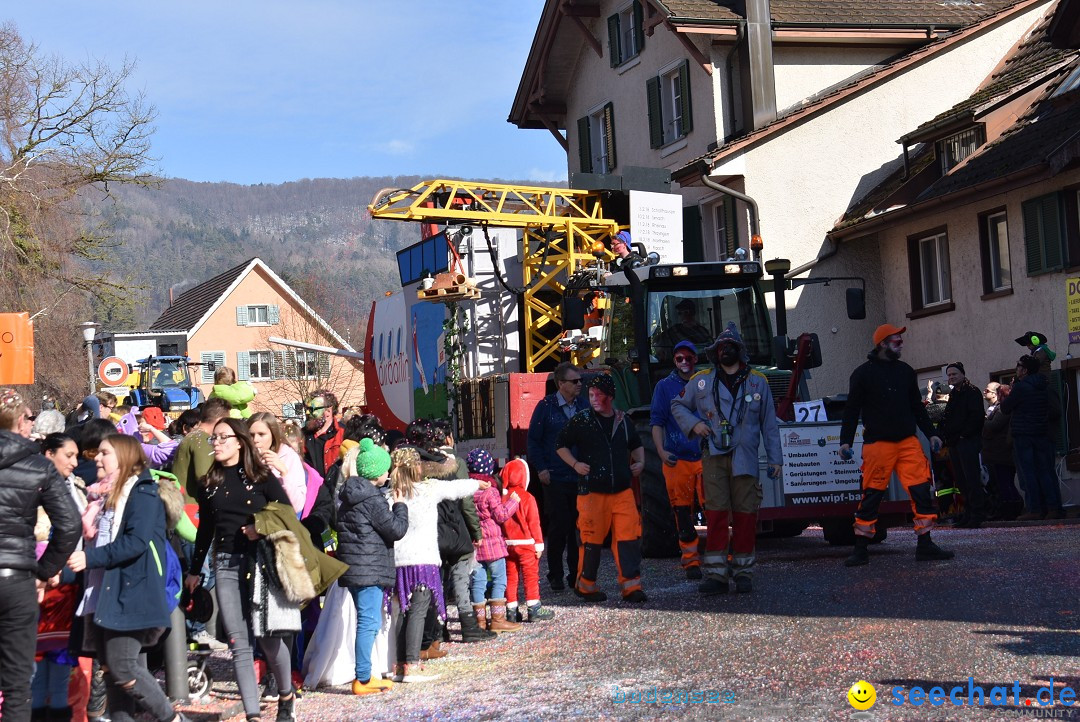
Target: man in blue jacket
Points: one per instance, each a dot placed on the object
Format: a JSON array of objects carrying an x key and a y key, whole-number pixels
[
  {"x": 559, "y": 480},
  {"x": 1028, "y": 405},
  {"x": 681, "y": 457}
]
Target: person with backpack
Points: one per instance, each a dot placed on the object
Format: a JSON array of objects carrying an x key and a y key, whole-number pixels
[{"x": 126, "y": 602}]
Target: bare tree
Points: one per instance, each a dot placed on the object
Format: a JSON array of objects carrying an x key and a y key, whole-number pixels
[{"x": 67, "y": 131}]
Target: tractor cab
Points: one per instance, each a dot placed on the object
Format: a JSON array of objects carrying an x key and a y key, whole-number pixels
[{"x": 165, "y": 382}]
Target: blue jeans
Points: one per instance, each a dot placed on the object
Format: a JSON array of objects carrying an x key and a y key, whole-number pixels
[
  {"x": 479, "y": 584},
  {"x": 368, "y": 622},
  {"x": 49, "y": 688},
  {"x": 1034, "y": 455}
]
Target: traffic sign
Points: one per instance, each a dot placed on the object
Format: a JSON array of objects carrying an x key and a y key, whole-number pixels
[{"x": 112, "y": 371}]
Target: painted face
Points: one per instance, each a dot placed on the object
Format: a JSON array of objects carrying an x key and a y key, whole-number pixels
[
  {"x": 66, "y": 458},
  {"x": 954, "y": 376},
  {"x": 226, "y": 447},
  {"x": 600, "y": 402},
  {"x": 107, "y": 464},
  {"x": 261, "y": 435},
  {"x": 685, "y": 361},
  {"x": 729, "y": 354},
  {"x": 894, "y": 345}
]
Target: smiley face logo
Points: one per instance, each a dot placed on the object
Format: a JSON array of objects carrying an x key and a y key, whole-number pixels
[{"x": 862, "y": 695}]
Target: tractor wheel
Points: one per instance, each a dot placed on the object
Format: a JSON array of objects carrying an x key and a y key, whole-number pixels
[{"x": 659, "y": 539}]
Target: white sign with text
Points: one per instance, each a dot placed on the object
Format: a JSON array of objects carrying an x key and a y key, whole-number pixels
[
  {"x": 814, "y": 472},
  {"x": 656, "y": 221}
]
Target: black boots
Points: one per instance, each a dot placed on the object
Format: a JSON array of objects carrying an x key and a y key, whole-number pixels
[
  {"x": 470, "y": 629},
  {"x": 927, "y": 551},
  {"x": 860, "y": 556},
  {"x": 285, "y": 709}
]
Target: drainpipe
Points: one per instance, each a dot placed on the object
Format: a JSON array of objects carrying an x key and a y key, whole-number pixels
[{"x": 755, "y": 236}]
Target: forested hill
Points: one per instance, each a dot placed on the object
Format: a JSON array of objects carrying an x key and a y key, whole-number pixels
[{"x": 316, "y": 234}]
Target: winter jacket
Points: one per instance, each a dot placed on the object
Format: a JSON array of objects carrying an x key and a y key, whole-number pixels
[
  {"x": 675, "y": 440},
  {"x": 964, "y": 414},
  {"x": 367, "y": 529},
  {"x": 493, "y": 511},
  {"x": 294, "y": 480},
  {"x": 1028, "y": 404},
  {"x": 321, "y": 451},
  {"x": 133, "y": 589},
  {"x": 997, "y": 446},
  {"x": 547, "y": 421},
  {"x": 237, "y": 395},
  {"x": 324, "y": 569},
  {"x": 29, "y": 480},
  {"x": 420, "y": 545},
  {"x": 886, "y": 395},
  {"x": 523, "y": 528},
  {"x": 749, "y": 410}
]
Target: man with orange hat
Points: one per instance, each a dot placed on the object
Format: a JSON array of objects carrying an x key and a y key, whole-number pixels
[{"x": 885, "y": 393}]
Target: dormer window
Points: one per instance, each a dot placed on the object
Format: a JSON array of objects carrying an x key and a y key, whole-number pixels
[{"x": 956, "y": 147}]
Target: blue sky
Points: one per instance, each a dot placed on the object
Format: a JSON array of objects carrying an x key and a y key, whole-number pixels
[{"x": 278, "y": 90}]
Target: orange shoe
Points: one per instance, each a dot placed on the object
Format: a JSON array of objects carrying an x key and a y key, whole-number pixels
[{"x": 372, "y": 686}]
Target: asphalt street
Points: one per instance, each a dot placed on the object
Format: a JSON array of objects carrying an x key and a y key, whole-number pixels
[{"x": 1003, "y": 613}]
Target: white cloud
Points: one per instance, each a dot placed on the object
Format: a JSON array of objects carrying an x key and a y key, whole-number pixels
[
  {"x": 396, "y": 147},
  {"x": 547, "y": 176}
]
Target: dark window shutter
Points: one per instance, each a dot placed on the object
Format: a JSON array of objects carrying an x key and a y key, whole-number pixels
[
  {"x": 656, "y": 118},
  {"x": 1043, "y": 233},
  {"x": 984, "y": 253},
  {"x": 584, "y": 145},
  {"x": 609, "y": 133},
  {"x": 639, "y": 25},
  {"x": 1052, "y": 232},
  {"x": 693, "y": 245},
  {"x": 290, "y": 365},
  {"x": 731, "y": 228},
  {"x": 613, "y": 40},
  {"x": 324, "y": 365},
  {"x": 914, "y": 274},
  {"x": 684, "y": 93}
]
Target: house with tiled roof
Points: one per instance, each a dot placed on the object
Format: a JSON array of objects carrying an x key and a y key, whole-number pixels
[
  {"x": 980, "y": 224},
  {"x": 228, "y": 320},
  {"x": 795, "y": 103}
]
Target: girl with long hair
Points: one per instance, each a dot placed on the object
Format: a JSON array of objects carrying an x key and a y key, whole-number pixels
[
  {"x": 238, "y": 486},
  {"x": 275, "y": 452},
  {"x": 126, "y": 584}
]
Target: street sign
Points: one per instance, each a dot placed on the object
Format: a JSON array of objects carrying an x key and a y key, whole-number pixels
[
  {"x": 16, "y": 349},
  {"x": 112, "y": 371}
]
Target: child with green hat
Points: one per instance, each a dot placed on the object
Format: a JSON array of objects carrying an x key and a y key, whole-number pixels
[{"x": 367, "y": 529}]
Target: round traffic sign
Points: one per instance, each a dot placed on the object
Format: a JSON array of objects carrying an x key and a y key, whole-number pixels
[{"x": 112, "y": 371}]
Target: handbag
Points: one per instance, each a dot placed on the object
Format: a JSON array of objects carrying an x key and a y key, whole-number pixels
[{"x": 272, "y": 614}]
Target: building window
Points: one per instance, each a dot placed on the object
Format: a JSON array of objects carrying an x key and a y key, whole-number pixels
[
  {"x": 258, "y": 315},
  {"x": 928, "y": 259},
  {"x": 258, "y": 365},
  {"x": 307, "y": 364},
  {"x": 994, "y": 245},
  {"x": 668, "y": 99},
  {"x": 727, "y": 231},
  {"x": 956, "y": 147},
  {"x": 626, "y": 36},
  {"x": 596, "y": 140},
  {"x": 1043, "y": 234}
]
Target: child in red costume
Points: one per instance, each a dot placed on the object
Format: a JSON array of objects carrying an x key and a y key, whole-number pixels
[{"x": 525, "y": 544}]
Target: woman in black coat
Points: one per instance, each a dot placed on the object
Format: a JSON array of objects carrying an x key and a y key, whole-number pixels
[{"x": 367, "y": 529}]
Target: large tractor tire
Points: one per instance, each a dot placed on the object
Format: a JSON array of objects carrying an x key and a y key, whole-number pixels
[{"x": 659, "y": 539}]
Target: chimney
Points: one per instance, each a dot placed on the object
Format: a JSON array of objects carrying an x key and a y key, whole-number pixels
[
  {"x": 756, "y": 61},
  {"x": 170, "y": 296}
]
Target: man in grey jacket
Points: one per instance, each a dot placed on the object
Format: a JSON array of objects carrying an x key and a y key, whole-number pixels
[{"x": 731, "y": 408}]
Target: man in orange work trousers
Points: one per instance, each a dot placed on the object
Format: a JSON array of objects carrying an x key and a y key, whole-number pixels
[
  {"x": 884, "y": 391},
  {"x": 602, "y": 447}
]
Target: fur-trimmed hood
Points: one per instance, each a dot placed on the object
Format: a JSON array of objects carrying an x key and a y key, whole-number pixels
[
  {"x": 173, "y": 500},
  {"x": 445, "y": 469},
  {"x": 291, "y": 570}
]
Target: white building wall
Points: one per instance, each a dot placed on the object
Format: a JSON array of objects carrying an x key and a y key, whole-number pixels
[
  {"x": 804, "y": 178},
  {"x": 802, "y": 71}
]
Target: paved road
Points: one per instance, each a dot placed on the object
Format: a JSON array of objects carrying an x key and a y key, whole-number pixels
[{"x": 1004, "y": 611}]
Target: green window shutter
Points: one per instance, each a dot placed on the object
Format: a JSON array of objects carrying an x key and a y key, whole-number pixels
[
  {"x": 693, "y": 245},
  {"x": 656, "y": 118},
  {"x": 609, "y": 135},
  {"x": 241, "y": 316},
  {"x": 614, "y": 56},
  {"x": 639, "y": 25},
  {"x": 684, "y": 94},
  {"x": 243, "y": 366},
  {"x": 584, "y": 145},
  {"x": 273, "y": 314},
  {"x": 1043, "y": 235}
]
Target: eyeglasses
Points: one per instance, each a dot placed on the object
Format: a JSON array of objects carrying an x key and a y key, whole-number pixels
[
  {"x": 313, "y": 409},
  {"x": 685, "y": 358},
  {"x": 220, "y": 438},
  {"x": 28, "y": 417},
  {"x": 571, "y": 381}
]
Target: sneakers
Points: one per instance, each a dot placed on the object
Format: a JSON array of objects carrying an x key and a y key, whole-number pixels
[
  {"x": 539, "y": 614},
  {"x": 693, "y": 573},
  {"x": 372, "y": 686},
  {"x": 743, "y": 584},
  {"x": 270, "y": 689},
  {"x": 928, "y": 551},
  {"x": 711, "y": 587},
  {"x": 205, "y": 639},
  {"x": 637, "y": 596},
  {"x": 413, "y": 673},
  {"x": 591, "y": 597}
]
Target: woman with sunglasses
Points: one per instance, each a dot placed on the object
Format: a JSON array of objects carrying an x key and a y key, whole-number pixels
[{"x": 237, "y": 486}]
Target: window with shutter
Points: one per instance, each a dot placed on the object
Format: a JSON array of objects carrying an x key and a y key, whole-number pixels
[
  {"x": 626, "y": 33},
  {"x": 273, "y": 315},
  {"x": 668, "y": 99},
  {"x": 614, "y": 56},
  {"x": 609, "y": 137},
  {"x": 241, "y": 316},
  {"x": 324, "y": 365},
  {"x": 277, "y": 364},
  {"x": 930, "y": 271},
  {"x": 217, "y": 358},
  {"x": 1043, "y": 234},
  {"x": 290, "y": 364},
  {"x": 656, "y": 115},
  {"x": 243, "y": 366}
]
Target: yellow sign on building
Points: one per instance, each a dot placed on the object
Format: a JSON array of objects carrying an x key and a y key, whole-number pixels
[{"x": 1072, "y": 308}]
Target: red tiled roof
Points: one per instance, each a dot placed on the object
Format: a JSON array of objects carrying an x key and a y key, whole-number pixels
[
  {"x": 940, "y": 13},
  {"x": 192, "y": 305}
]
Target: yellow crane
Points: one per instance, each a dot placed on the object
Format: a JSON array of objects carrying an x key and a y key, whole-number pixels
[{"x": 564, "y": 231}]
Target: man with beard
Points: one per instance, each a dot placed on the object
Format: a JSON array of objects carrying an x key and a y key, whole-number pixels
[
  {"x": 681, "y": 457},
  {"x": 884, "y": 391},
  {"x": 731, "y": 407},
  {"x": 604, "y": 451},
  {"x": 322, "y": 433}
]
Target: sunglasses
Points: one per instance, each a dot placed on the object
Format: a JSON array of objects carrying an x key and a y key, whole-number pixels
[
  {"x": 220, "y": 438},
  {"x": 28, "y": 417},
  {"x": 571, "y": 381},
  {"x": 685, "y": 358},
  {"x": 313, "y": 409}
]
